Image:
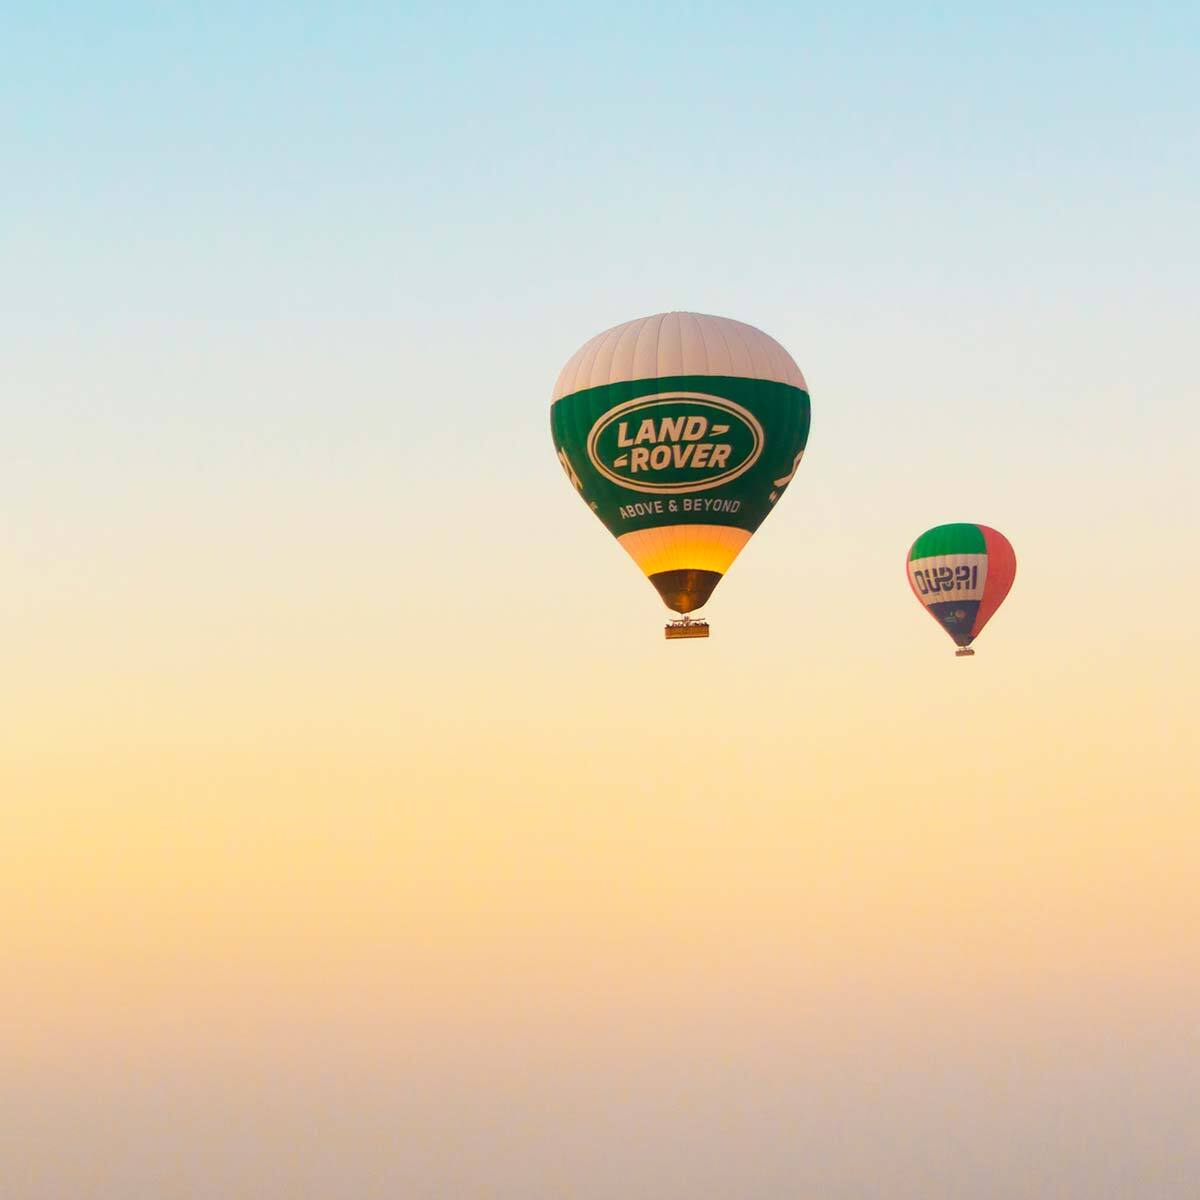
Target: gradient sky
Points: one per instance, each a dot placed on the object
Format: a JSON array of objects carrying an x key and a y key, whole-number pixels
[{"x": 361, "y": 837}]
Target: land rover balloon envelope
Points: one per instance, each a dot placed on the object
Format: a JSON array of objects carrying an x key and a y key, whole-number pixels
[
  {"x": 681, "y": 432},
  {"x": 961, "y": 574}
]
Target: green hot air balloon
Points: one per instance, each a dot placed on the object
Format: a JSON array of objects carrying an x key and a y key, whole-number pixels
[
  {"x": 681, "y": 432},
  {"x": 961, "y": 574}
]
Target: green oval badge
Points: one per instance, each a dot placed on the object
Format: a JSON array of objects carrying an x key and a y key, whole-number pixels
[{"x": 675, "y": 442}]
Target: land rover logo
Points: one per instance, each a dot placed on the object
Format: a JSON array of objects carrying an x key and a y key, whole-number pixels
[{"x": 675, "y": 442}]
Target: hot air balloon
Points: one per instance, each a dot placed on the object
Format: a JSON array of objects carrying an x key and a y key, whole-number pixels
[
  {"x": 961, "y": 574},
  {"x": 681, "y": 432}
]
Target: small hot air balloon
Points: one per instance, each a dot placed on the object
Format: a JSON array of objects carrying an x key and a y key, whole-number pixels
[
  {"x": 961, "y": 574},
  {"x": 681, "y": 432}
]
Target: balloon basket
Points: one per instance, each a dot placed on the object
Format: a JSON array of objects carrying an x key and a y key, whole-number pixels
[
  {"x": 964, "y": 652},
  {"x": 686, "y": 628}
]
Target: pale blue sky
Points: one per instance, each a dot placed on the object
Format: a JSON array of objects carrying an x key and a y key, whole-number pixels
[{"x": 403, "y": 159}]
